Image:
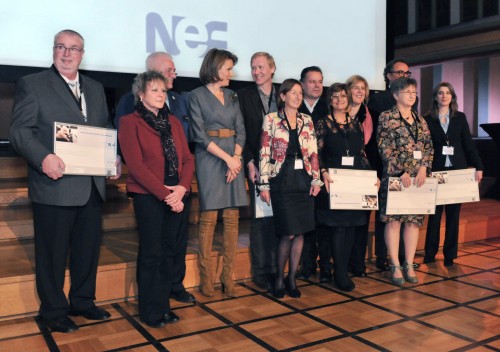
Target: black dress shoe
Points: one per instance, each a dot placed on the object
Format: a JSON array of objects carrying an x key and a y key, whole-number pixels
[
  {"x": 345, "y": 285},
  {"x": 304, "y": 274},
  {"x": 428, "y": 260},
  {"x": 279, "y": 293},
  {"x": 94, "y": 313},
  {"x": 61, "y": 324},
  {"x": 359, "y": 274},
  {"x": 156, "y": 323},
  {"x": 382, "y": 265},
  {"x": 448, "y": 262},
  {"x": 182, "y": 296},
  {"x": 262, "y": 282},
  {"x": 325, "y": 276},
  {"x": 171, "y": 318},
  {"x": 292, "y": 292}
]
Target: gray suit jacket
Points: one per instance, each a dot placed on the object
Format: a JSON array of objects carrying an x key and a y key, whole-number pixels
[{"x": 41, "y": 99}]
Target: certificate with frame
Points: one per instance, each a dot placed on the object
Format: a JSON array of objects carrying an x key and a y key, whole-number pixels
[
  {"x": 353, "y": 189},
  {"x": 85, "y": 150},
  {"x": 412, "y": 200},
  {"x": 456, "y": 186}
]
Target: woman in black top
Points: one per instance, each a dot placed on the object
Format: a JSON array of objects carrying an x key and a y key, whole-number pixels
[{"x": 449, "y": 128}]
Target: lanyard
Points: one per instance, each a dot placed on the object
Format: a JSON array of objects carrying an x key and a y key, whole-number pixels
[
  {"x": 269, "y": 101},
  {"x": 414, "y": 135},
  {"x": 343, "y": 132}
]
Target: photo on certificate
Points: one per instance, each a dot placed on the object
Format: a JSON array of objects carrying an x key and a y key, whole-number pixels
[
  {"x": 353, "y": 189},
  {"x": 456, "y": 186},
  {"x": 262, "y": 210},
  {"x": 85, "y": 150},
  {"x": 411, "y": 200}
]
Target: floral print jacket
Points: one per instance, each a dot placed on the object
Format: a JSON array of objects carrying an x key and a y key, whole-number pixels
[
  {"x": 274, "y": 143},
  {"x": 396, "y": 145}
]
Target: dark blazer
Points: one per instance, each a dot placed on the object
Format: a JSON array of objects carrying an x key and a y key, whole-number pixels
[
  {"x": 320, "y": 110},
  {"x": 465, "y": 153},
  {"x": 42, "y": 99},
  {"x": 253, "y": 114},
  {"x": 142, "y": 149}
]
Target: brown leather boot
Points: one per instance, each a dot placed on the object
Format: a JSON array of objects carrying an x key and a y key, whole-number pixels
[
  {"x": 208, "y": 220},
  {"x": 230, "y": 242}
]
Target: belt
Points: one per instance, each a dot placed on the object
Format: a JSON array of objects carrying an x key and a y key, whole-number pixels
[{"x": 221, "y": 133}]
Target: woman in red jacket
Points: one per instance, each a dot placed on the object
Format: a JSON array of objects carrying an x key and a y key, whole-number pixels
[{"x": 160, "y": 168}]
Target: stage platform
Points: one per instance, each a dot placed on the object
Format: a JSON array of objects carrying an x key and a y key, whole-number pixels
[{"x": 116, "y": 276}]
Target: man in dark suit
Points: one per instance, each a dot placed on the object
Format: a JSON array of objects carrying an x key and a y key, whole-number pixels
[
  {"x": 256, "y": 101},
  {"x": 377, "y": 104},
  {"x": 315, "y": 106},
  {"x": 177, "y": 104},
  {"x": 66, "y": 209},
  {"x": 163, "y": 63}
]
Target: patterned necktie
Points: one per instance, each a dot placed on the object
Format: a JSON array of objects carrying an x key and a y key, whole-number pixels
[{"x": 73, "y": 85}]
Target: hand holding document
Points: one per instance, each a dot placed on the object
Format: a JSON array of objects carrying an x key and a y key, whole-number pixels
[
  {"x": 262, "y": 209},
  {"x": 411, "y": 200},
  {"x": 353, "y": 189},
  {"x": 85, "y": 150},
  {"x": 456, "y": 186}
]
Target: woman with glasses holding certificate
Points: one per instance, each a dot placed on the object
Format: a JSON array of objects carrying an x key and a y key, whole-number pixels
[
  {"x": 341, "y": 145},
  {"x": 453, "y": 149},
  {"x": 405, "y": 146}
]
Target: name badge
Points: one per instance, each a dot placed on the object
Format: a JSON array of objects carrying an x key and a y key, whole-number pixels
[
  {"x": 299, "y": 164},
  {"x": 347, "y": 161},
  {"x": 448, "y": 150},
  {"x": 417, "y": 154}
]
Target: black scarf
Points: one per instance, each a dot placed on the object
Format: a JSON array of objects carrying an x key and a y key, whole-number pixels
[{"x": 161, "y": 124}]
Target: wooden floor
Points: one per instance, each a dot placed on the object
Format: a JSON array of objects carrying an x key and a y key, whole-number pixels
[{"x": 456, "y": 309}]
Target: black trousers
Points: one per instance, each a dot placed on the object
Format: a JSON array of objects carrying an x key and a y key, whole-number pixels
[
  {"x": 358, "y": 253},
  {"x": 263, "y": 244},
  {"x": 450, "y": 247},
  {"x": 160, "y": 238},
  {"x": 60, "y": 230},
  {"x": 179, "y": 265}
]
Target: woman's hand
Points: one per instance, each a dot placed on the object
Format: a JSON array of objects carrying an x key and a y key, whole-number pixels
[
  {"x": 176, "y": 196},
  {"x": 314, "y": 190},
  {"x": 479, "y": 176},
  {"x": 265, "y": 196},
  {"x": 378, "y": 184},
  {"x": 405, "y": 180},
  {"x": 234, "y": 168},
  {"x": 421, "y": 176},
  {"x": 327, "y": 180},
  {"x": 178, "y": 208}
]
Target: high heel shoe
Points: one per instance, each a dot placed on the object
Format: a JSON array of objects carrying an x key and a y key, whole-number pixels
[
  {"x": 294, "y": 293},
  {"x": 410, "y": 279},
  {"x": 396, "y": 280}
]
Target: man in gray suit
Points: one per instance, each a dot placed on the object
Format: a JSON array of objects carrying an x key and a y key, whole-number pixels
[{"x": 66, "y": 209}]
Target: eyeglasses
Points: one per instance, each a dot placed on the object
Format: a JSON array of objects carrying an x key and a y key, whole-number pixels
[
  {"x": 402, "y": 73},
  {"x": 409, "y": 92},
  {"x": 62, "y": 49},
  {"x": 338, "y": 97}
]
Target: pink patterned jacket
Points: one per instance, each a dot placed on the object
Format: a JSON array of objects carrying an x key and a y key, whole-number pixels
[{"x": 274, "y": 143}]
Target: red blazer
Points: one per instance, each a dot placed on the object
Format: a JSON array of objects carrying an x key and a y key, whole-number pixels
[{"x": 142, "y": 150}]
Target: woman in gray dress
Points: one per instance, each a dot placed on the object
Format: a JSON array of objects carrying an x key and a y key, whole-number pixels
[{"x": 217, "y": 129}]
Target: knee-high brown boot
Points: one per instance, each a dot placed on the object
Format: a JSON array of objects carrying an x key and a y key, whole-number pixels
[
  {"x": 230, "y": 241},
  {"x": 208, "y": 220}
]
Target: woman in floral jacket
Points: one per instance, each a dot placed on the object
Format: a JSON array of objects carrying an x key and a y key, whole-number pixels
[
  {"x": 289, "y": 176},
  {"x": 405, "y": 146}
]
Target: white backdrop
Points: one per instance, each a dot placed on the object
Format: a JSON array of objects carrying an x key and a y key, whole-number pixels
[{"x": 343, "y": 37}]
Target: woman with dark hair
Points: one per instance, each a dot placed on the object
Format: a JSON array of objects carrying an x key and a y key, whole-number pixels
[
  {"x": 340, "y": 146},
  {"x": 453, "y": 149},
  {"x": 358, "y": 91},
  {"x": 160, "y": 168},
  {"x": 405, "y": 146},
  {"x": 289, "y": 177},
  {"x": 218, "y": 130}
]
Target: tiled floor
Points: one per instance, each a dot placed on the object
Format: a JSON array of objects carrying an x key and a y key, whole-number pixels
[{"x": 456, "y": 309}]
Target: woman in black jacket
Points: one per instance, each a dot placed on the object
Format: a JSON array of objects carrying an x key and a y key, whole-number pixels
[{"x": 449, "y": 128}]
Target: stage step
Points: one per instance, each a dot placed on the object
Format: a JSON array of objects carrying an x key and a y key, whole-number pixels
[{"x": 116, "y": 274}]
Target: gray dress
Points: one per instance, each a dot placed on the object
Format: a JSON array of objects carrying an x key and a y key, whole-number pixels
[{"x": 208, "y": 113}]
